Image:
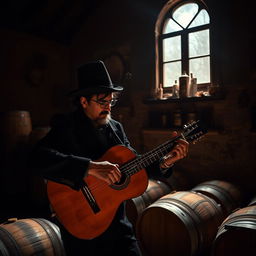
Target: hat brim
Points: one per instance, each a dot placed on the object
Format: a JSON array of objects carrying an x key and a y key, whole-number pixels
[{"x": 95, "y": 90}]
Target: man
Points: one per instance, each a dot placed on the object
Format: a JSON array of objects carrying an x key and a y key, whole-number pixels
[{"x": 70, "y": 152}]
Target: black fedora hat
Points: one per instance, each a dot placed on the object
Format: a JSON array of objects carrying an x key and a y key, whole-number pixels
[{"x": 93, "y": 78}]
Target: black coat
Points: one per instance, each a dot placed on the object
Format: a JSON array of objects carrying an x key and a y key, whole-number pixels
[{"x": 64, "y": 154}]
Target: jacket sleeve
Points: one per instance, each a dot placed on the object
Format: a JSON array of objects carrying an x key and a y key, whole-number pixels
[{"x": 53, "y": 159}]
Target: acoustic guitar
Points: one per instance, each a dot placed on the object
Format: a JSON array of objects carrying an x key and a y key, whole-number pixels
[{"x": 87, "y": 213}]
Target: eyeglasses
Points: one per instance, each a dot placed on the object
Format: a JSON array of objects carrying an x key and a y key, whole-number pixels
[{"x": 105, "y": 103}]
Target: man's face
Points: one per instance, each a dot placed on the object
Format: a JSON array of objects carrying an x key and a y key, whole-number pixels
[{"x": 98, "y": 109}]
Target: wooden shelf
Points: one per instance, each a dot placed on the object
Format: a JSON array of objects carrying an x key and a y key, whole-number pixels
[{"x": 188, "y": 99}]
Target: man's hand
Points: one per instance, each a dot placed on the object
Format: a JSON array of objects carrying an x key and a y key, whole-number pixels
[
  {"x": 105, "y": 171},
  {"x": 179, "y": 151}
]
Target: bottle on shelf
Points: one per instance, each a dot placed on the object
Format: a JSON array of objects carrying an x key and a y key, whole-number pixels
[
  {"x": 193, "y": 85},
  {"x": 184, "y": 83},
  {"x": 160, "y": 93},
  {"x": 175, "y": 90}
]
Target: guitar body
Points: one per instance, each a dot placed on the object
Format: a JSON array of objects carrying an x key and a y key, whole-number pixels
[
  {"x": 87, "y": 213},
  {"x": 76, "y": 214}
]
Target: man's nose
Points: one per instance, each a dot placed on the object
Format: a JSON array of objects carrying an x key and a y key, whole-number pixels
[{"x": 108, "y": 106}]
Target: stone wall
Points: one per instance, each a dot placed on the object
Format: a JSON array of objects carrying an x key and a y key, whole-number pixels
[{"x": 35, "y": 75}]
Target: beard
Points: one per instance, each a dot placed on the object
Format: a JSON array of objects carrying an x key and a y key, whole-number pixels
[{"x": 103, "y": 118}]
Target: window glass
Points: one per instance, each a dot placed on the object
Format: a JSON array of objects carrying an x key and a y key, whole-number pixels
[
  {"x": 200, "y": 67},
  {"x": 171, "y": 26},
  {"x": 185, "y": 13},
  {"x": 172, "y": 72},
  {"x": 185, "y": 43},
  {"x": 199, "y": 43},
  {"x": 201, "y": 19},
  {"x": 172, "y": 48}
]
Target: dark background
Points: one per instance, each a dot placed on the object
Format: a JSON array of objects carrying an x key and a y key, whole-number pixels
[{"x": 42, "y": 42}]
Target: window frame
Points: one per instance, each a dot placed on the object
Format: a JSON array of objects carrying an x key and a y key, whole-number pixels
[{"x": 184, "y": 33}]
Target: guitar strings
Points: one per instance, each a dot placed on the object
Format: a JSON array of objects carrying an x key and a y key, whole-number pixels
[
  {"x": 127, "y": 169},
  {"x": 138, "y": 164}
]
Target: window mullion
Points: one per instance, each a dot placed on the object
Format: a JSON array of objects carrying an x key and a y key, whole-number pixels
[{"x": 184, "y": 54}]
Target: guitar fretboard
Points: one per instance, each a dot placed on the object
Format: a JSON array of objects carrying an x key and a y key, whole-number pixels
[
  {"x": 148, "y": 158},
  {"x": 190, "y": 133}
]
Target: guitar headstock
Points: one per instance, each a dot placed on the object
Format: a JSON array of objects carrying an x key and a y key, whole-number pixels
[{"x": 194, "y": 131}]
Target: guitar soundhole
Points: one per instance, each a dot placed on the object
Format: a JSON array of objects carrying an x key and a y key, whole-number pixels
[{"x": 123, "y": 183}]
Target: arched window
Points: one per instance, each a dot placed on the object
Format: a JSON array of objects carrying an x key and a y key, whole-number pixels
[{"x": 183, "y": 43}]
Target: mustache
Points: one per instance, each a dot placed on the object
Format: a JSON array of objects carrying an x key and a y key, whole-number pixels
[{"x": 105, "y": 112}]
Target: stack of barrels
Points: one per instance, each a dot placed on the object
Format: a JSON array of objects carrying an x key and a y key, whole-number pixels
[{"x": 205, "y": 220}]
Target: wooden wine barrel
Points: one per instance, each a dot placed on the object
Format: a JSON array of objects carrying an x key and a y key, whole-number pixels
[
  {"x": 154, "y": 191},
  {"x": 237, "y": 234},
  {"x": 15, "y": 128},
  {"x": 27, "y": 237},
  {"x": 183, "y": 223},
  {"x": 224, "y": 193}
]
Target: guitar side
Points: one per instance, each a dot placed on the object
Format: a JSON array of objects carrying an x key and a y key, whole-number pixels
[{"x": 76, "y": 214}]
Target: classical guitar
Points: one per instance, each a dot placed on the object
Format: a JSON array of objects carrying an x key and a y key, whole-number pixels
[{"x": 87, "y": 213}]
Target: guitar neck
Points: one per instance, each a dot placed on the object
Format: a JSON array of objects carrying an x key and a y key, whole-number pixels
[
  {"x": 191, "y": 132},
  {"x": 148, "y": 158}
]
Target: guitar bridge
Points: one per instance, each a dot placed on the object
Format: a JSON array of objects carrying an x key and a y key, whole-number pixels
[{"x": 90, "y": 199}]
